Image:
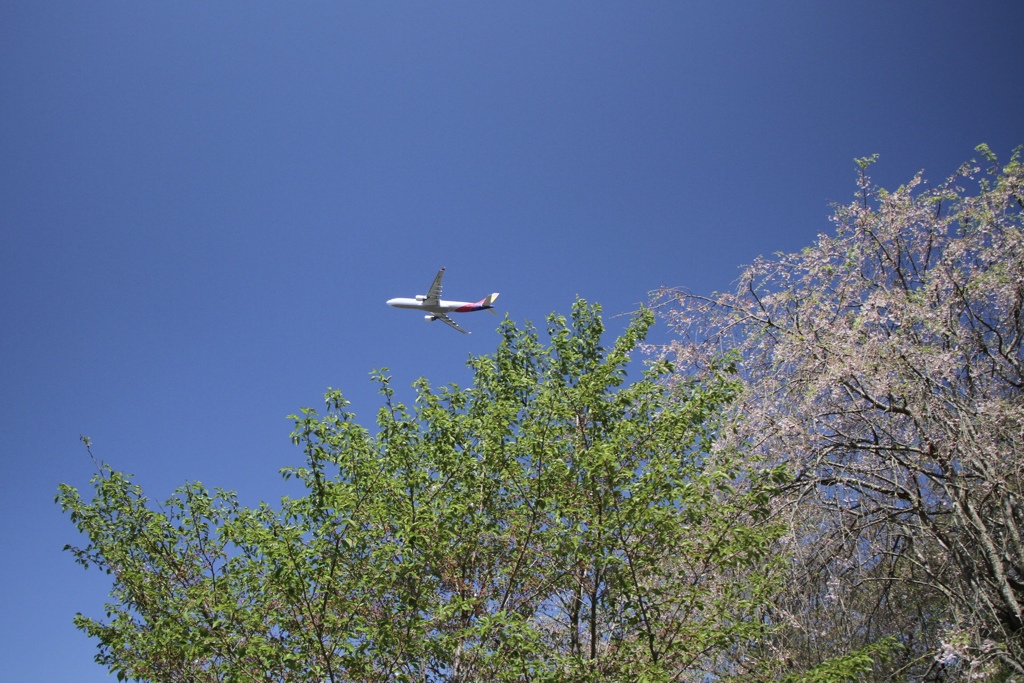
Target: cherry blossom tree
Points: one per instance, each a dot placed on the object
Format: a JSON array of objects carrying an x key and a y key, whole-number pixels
[{"x": 883, "y": 365}]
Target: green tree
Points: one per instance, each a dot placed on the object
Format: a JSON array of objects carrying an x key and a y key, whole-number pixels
[{"x": 551, "y": 522}]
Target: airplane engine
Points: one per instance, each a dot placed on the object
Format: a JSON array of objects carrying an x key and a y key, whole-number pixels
[
  {"x": 421, "y": 297},
  {"x": 430, "y": 318}
]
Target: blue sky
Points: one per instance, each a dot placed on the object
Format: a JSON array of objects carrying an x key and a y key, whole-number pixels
[{"x": 204, "y": 206}]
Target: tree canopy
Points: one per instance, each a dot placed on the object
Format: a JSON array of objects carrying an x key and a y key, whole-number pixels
[
  {"x": 553, "y": 521},
  {"x": 883, "y": 365},
  {"x": 819, "y": 480}
]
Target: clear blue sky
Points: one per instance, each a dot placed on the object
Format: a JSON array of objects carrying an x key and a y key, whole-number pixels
[{"x": 204, "y": 206}]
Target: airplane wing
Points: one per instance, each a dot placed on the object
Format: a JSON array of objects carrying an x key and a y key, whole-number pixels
[
  {"x": 434, "y": 293},
  {"x": 443, "y": 318}
]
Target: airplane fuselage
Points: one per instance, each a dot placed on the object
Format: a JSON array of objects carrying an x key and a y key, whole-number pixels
[{"x": 441, "y": 306}]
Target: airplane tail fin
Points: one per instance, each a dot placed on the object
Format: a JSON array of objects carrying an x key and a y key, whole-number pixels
[{"x": 489, "y": 301}]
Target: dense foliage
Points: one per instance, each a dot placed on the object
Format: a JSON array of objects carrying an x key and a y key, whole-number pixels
[
  {"x": 554, "y": 521},
  {"x": 819, "y": 481},
  {"x": 883, "y": 366}
]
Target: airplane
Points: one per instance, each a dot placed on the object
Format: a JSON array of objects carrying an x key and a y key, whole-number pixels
[{"x": 438, "y": 309}]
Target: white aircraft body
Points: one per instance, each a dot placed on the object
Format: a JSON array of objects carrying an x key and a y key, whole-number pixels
[{"x": 438, "y": 309}]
